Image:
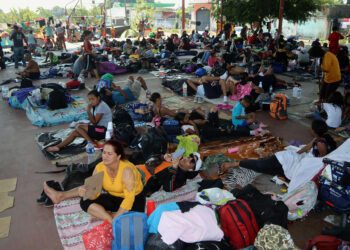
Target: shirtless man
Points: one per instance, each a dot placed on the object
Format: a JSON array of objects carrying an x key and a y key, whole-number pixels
[
  {"x": 32, "y": 70},
  {"x": 141, "y": 28}
]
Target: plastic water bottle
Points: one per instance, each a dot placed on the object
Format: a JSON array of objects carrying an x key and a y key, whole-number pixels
[
  {"x": 108, "y": 136},
  {"x": 299, "y": 93},
  {"x": 270, "y": 89},
  {"x": 184, "y": 89},
  {"x": 260, "y": 85},
  {"x": 5, "y": 92},
  {"x": 295, "y": 91},
  {"x": 90, "y": 151}
]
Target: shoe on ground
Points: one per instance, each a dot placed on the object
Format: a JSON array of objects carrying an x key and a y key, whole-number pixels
[
  {"x": 48, "y": 202},
  {"x": 42, "y": 198}
]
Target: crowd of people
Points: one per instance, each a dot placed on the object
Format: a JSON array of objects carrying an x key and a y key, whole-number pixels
[{"x": 240, "y": 67}]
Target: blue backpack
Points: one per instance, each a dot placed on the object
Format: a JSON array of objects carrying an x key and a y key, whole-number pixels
[
  {"x": 201, "y": 72},
  {"x": 130, "y": 231}
]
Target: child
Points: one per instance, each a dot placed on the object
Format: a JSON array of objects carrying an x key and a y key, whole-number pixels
[
  {"x": 239, "y": 117},
  {"x": 333, "y": 110}
]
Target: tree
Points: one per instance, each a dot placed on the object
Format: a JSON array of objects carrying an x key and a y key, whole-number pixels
[
  {"x": 143, "y": 12},
  {"x": 244, "y": 11}
]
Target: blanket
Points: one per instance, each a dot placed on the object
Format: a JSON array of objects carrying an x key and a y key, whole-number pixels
[
  {"x": 72, "y": 221},
  {"x": 307, "y": 166},
  {"x": 47, "y": 118},
  {"x": 253, "y": 147},
  {"x": 47, "y": 139}
]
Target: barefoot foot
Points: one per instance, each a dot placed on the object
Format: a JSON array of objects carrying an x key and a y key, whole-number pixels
[
  {"x": 52, "y": 149},
  {"x": 54, "y": 195}
]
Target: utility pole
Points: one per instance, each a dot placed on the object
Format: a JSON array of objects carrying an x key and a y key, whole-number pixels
[
  {"x": 221, "y": 18},
  {"x": 183, "y": 14},
  {"x": 281, "y": 17}
]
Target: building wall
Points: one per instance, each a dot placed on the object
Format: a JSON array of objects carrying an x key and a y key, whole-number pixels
[
  {"x": 197, "y": 6},
  {"x": 311, "y": 29}
]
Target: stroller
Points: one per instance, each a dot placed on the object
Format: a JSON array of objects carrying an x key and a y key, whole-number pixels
[{"x": 334, "y": 191}]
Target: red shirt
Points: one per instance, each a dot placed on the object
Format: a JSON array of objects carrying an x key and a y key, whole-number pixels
[
  {"x": 87, "y": 50},
  {"x": 334, "y": 42}
]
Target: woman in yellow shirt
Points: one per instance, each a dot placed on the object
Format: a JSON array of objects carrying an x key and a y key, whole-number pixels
[{"x": 121, "y": 182}]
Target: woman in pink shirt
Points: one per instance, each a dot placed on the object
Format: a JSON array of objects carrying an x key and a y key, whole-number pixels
[{"x": 212, "y": 58}]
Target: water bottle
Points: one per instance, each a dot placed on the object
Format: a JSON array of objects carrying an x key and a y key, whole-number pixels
[
  {"x": 5, "y": 92},
  {"x": 244, "y": 61},
  {"x": 37, "y": 98},
  {"x": 295, "y": 91},
  {"x": 184, "y": 89},
  {"x": 260, "y": 85},
  {"x": 108, "y": 136},
  {"x": 81, "y": 78},
  {"x": 299, "y": 93},
  {"x": 90, "y": 151},
  {"x": 270, "y": 89}
]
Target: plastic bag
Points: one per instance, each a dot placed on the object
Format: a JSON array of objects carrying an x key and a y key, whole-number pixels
[{"x": 100, "y": 237}]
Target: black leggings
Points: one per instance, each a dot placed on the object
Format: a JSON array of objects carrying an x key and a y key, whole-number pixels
[
  {"x": 269, "y": 165},
  {"x": 112, "y": 203}
]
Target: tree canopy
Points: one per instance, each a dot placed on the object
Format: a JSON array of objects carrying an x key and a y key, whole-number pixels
[{"x": 249, "y": 11}]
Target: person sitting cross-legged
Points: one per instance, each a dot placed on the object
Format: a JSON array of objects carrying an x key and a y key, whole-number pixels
[{"x": 122, "y": 187}]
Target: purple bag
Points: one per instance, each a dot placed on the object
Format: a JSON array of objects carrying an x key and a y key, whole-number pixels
[
  {"x": 111, "y": 68},
  {"x": 190, "y": 68}
]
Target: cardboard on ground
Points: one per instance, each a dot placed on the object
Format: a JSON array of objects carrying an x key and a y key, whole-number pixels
[{"x": 93, "y": 186}]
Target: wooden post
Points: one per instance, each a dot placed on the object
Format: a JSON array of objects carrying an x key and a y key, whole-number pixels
[
  {"x": 281, "y": 17},
  {"x": 221, "y": 18},
  {"x": 183, "y": 14}
]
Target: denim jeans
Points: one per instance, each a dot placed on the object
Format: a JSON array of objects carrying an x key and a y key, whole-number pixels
[{"x": 19, "y": 55}]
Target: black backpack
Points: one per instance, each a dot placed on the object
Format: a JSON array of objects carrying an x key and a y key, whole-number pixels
[
  {"x": 26, "y": 83},
  {"x": 57, "y": 100},
  {"x": 124, "y": 133},
  {"x": 218, "y": 70},
  {"x": 154, "y": 141},
  {"x": 120, "y": 115},
  {"x": 76, "y": 173}
]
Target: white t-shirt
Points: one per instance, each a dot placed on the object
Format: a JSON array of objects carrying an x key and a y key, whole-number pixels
[
  {"x": 333, "y": 115},
  {"x": 224, "y": 76}
]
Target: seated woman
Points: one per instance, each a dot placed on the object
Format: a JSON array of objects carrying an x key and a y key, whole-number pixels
[
  {"x": 185, "y": 44},
  {"x": 333, "y": 109},
  {"x": 122, "y": 185},
  {"x": 284, "y": 163},
  {"x": 99, "y": 115},
  {"x": 32, "y": 70},
  {"x": 48, "y": 45}
]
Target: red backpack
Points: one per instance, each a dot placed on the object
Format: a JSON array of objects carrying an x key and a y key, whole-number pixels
[
  {"x": 324, "y": 242},
  {"x": 238, "y": 223}
]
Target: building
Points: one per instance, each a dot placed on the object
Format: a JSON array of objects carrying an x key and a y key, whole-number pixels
[{"x": 202, "y": 13}]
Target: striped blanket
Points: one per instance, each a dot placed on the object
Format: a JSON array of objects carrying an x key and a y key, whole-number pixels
[{"x": 72, "y": 222}]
